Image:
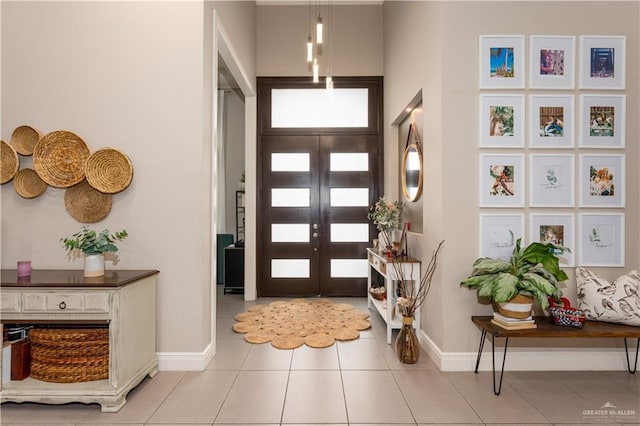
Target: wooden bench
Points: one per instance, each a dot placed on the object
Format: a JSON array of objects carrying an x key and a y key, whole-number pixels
[{"x": 546, "y": 328}]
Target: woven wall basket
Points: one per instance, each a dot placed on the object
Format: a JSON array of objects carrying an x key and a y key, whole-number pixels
[
  {"x": 60, "y": 157},
  {"x": 9, "y": 162},
  {"x": 86, "y": 204},
  {"x": 24, "y": 139},
  {"x": 28, "y": 184},
  {"x": 109, "y": 170}
]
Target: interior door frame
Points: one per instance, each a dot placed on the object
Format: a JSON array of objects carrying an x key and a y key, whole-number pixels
[{"x": 375, "y": 128}]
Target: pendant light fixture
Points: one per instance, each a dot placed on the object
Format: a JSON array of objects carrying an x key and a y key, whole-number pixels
[{"x": 329, "y": 79}]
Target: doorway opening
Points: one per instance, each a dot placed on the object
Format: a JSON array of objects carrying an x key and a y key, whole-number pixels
[{"x": 320, "y": 167}]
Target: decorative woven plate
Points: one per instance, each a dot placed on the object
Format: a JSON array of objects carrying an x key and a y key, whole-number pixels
[
  {"x": 24, "y": 139},
  {"x": 109, "y": 170},
  {"x": 28, "y": 184},
  {"x": 10, "y": 163},
  {"x": 60, "y": 157},
  {"x": 85, "y": 204}
]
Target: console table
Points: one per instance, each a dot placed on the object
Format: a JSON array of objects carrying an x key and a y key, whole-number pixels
[
  {"x": 123, "y": 300},
  {"x": 387, "y": 268},
  {"x": 545, "y": 328}
]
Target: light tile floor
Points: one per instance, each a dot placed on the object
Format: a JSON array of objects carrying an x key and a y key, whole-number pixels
[{"x": 359, "y": 382}]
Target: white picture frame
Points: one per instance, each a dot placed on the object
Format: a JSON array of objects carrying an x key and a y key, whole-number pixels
[
  {"x": 501, "y": 121},
  {"x": 556, "y": 228},
  {"x": 602, "y": 62},
  {"x": 501, "y": 180},
  {"x": 602, "y": 121},
  {"x": 552, "y": 180},
  {"x": 602, "y": 241},
  {"x": 501, "y": 62},
  {"x": 602, "y": 180},
  {"x": 499, "y": 233},
  {"x": 552, "y": 62},
  {"x": 552, "y": 121}
]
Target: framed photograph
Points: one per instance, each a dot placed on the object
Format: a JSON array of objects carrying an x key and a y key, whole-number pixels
[
  {"x": 602, "y": 180},
  {"x": 602, "y": 62},
  {"x": 501, "y": 121},
  {"x": 557, "y": 229},
  {"x": 552, "y": 62},
  {"x": 601, "y": 239},
  {"x": 499, "y": 233},
  {"x": 501, "y": 180},
  {"x": 551, "y": 180},
  {"x": 551, "y": 121},
  {"x": 602, "y": 121},
  {"x": 501, "y": 62}
]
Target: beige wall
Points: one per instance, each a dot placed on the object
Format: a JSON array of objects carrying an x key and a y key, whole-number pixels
[
  {"x": 357, "y": 47},
  {"x": 445, "y": 37},
  {"x": 135, "y": 76}
]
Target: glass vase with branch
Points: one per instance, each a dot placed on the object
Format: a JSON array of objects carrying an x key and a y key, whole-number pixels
[{"x": 412, "y": 295}]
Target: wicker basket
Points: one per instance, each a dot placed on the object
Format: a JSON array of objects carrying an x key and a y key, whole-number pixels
[
  {"x": 10, "y": 162},
  {"x": 24, "y": 139},
  {"x": 28, "y": 184},
  {"x": 378, "y": 295},
  {"x": 69, "y": 355},
  {"x": 59, "y": 158},
  {"x": 109, "y": 170}
]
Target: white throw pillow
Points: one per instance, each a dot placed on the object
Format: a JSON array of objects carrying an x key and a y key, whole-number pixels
[{"x": 618, "y": 301}]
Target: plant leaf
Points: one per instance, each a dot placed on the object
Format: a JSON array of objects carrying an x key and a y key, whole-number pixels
[
  {"x": 505, "y": 287},
  {"x": 486, "y": 265}
]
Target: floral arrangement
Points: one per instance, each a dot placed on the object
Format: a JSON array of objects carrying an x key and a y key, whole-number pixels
[
  {"x": 414, "y": 292},
  {"x": 385, "y": 215}
]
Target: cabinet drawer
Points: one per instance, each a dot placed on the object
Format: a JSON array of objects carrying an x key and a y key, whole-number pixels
[
  {"x": 378, "y": 264},
  {"x": 9, "y": 301},
  {"x": 65, "y": 302}
]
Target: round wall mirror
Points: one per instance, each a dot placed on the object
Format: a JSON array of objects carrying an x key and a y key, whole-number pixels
[{"x": 412, "y": 172}]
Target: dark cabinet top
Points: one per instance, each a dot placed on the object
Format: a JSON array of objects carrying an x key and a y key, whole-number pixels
[{"x": 72, "y": 278}]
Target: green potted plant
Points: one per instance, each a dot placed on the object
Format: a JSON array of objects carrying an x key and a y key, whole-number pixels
[
  {"x": 386, "y": 216},
  {"x": 93, "y": 245},
  {"x": 532, "y": 272}
]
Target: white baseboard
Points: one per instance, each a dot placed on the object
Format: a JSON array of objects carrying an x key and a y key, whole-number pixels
[
  {"x": 531, "y": 359},
  {"x": 185, "y": 361}
]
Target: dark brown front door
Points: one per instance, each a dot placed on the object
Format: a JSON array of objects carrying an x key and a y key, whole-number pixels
[{"x": 315, "y": 187}]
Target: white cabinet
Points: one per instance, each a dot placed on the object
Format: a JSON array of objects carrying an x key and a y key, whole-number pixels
[
  {"x": 123, "y": 300},
  {"x": 388, "y": 268}
]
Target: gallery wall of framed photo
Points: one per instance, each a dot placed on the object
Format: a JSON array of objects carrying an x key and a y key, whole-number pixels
[{"x": 552, "y": 152}]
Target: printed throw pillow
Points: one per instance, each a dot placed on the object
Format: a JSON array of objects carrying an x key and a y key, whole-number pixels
[{"x": 618, "y": 301}]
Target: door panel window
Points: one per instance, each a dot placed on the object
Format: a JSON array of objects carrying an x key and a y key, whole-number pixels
[
  {"x": 290, "y": 197},
  {"x": 349, "y": 232},
  {"x": 349, "y": 197},
  {"x": 349, "y": 162},
  {"x": 290, "y": 233},
  {"x": 290, "y": 268},
  {"x": 290, "y": 162},
  {"x": 348, "y": 268}
]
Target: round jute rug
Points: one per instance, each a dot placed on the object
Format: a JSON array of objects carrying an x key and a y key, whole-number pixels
[{"x": 317, "y": 323}]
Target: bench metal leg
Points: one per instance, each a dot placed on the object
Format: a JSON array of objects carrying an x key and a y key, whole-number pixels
[
  {"x": 626, "y": 351},
  {"x": 483, "y": 336},
  {"x": 493, "y": 361}
]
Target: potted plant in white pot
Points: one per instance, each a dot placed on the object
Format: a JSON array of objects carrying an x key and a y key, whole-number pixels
[
  {"x": 93, "y": 246},
  {"x": 532, "y": 272}
]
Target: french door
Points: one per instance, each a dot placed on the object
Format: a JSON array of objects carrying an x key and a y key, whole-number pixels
[{"x": 315, "y": 188}]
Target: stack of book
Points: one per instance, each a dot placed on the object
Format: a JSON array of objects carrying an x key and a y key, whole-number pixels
[{"x": 512, "y": 323}]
